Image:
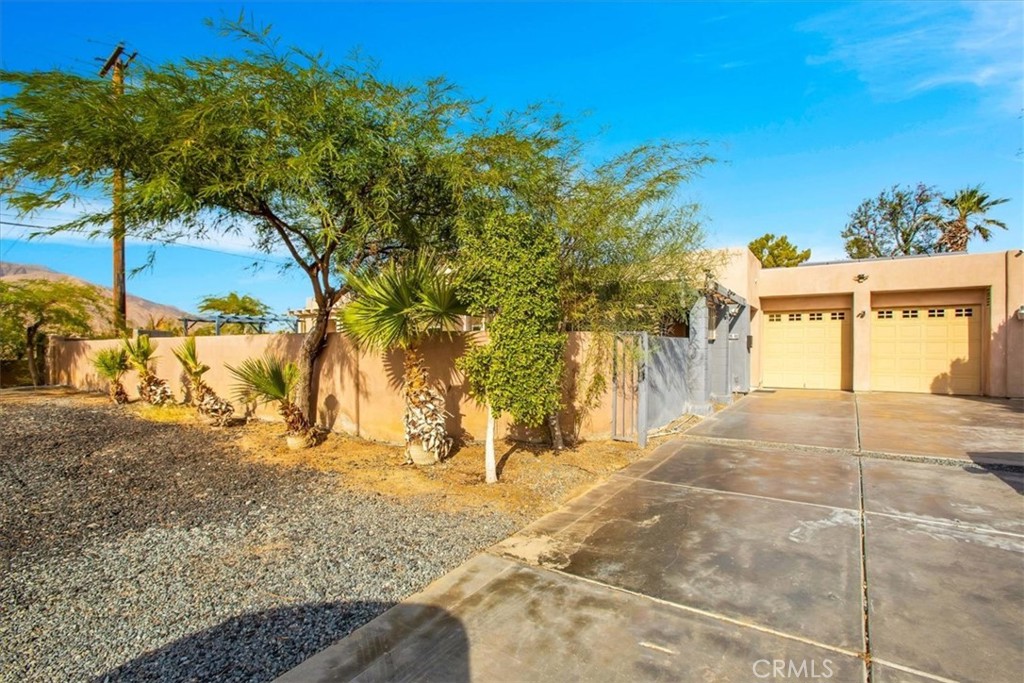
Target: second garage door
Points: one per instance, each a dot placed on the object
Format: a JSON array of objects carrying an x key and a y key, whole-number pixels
[
  {"x": 933, "y": 349},
  {"x": 808, "y": 350}
]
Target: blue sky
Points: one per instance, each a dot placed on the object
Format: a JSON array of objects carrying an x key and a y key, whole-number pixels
[{"x": 809, "y": 107}]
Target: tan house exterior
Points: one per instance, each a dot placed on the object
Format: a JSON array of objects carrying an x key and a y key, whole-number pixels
[{"x": 948, "y": 323}]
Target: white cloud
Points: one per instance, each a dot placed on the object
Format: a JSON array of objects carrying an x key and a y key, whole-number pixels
[
  {"x": 240, "y": 242},
  {"x": 901, "y": 49}
]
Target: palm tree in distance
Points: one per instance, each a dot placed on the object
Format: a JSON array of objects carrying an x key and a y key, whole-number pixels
[
  {"x": 398, "y": 307},
  {"x": 967, "y": 205}
]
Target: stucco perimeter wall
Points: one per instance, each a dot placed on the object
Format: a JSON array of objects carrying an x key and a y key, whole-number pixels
[
  {"x": 359, "y": 392},
  {"x": 996, "y": 279}
]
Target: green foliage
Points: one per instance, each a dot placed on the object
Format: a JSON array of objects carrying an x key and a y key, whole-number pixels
[
  {"x": 959, "y": 225},
  {"x": 234, "y": 303},
  {"x": 631, "y": 250},
  {"x": 141, "y": 353},
  {"x": 265, "y": 380},
  {"x": 777, "y": 252},
  {"x": 899, "y": 222},
  {"x": 327, "y": 162},
  {"x": 397, "y": 306},
  {"x": 111, "y": 364},
  {"x": 189, "y": 359},
  {"x": 271, "y": 380},
  {"x": 519, "y": 371},
  {"x": 32, "y": 309}
]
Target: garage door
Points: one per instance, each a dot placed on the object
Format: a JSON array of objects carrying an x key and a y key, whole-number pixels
[
  {"x": 934, "y": 349},
  {"x": 808, "y": 350}
]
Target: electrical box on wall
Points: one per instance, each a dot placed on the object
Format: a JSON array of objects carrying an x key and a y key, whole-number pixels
[{"x": 1020, "y": 313}]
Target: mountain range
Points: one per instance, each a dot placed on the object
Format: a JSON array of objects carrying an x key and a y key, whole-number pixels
[{"x": 141, "y": 312}]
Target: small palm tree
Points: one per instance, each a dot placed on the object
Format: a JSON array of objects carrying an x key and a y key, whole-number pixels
[
  {"x": 141, "y": 353},
  {"x": 964, "y": 206},
  {"x": 397, "y": 308},
  {"x": 267, "y": 380},
  {"x": 206, "y": 401},
  {"x": 111, "y": 364}
]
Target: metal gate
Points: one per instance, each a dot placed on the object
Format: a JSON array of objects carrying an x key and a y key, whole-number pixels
[{"x": 629, "y": 390}]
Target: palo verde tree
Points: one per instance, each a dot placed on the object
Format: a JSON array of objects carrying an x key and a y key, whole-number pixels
[
  {"x": 966, "y": 211},
  {"x": 32, "y": 309},
  {"x": 327, "y": 163},
  {"x": 777, "y": 252},
  {"x": 901, "y": 221}
]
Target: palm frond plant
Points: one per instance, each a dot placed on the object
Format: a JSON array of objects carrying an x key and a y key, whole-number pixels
[
  {"x": 967, "y": 209},
  {"x": 205, "y": 400},
  {"x": 111, "y": 364},
  {"x": 269, "y": 380},
  {"x": 397, "y": 308},
  {"x": 141, "y": 354}
]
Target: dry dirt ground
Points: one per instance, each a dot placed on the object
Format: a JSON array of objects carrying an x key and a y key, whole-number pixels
[{"x": 533, "y": 479}]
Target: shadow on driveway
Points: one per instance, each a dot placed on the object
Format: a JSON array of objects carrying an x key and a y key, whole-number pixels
[{"x": 1012, "y": 476}]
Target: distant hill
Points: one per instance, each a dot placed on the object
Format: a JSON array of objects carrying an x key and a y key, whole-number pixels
[{"x": 140, "y": 311}]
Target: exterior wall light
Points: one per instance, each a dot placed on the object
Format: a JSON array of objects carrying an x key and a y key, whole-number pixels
[{"x": 861, "y": 277}]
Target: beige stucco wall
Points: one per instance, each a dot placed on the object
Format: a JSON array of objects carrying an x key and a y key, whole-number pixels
[
  {"x": 995, "y": 280},
  {"x": 359, "y": 392}
]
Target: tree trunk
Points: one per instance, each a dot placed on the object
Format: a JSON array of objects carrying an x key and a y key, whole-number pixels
[
  {"x": 557, "y": 440},
  {"x": 312, "y": 347},
  {"x": 31, "y": 333},
  {"x": 490, "y": 466}
]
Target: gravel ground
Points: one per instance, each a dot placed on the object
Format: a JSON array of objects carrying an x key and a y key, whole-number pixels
[{"x": 134, "y": 550}]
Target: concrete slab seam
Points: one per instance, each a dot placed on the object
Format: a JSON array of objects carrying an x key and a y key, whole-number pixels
[
  {"x": 950, "y": 524},
  {"x": 846, "y": 452},
  {"x": 771, "y": 445},
  {"x": 701, "y": 612},
  {"x": 865, "y": 600},
  {"x": 735, "y": 493}
]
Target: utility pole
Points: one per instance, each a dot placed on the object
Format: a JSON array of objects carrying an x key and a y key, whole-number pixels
[{"x": 117, "y": 65}]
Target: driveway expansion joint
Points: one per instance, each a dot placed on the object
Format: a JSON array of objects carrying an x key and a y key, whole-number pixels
[
  {"x": 733, "y": 493},
  {"x": 696, "y": 610}
]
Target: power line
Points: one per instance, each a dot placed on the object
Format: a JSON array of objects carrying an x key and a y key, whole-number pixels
[{"x": 168, "y": 243}]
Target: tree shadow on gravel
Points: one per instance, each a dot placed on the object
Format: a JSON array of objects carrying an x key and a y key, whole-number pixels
[{"x": 410, "y": 641}]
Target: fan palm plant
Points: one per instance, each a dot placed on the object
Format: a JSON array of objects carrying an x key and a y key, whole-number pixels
[
  {"x": 141, "y": 354},
  {"x": 111, "y": 364},
  {"x": 397, "y": 308},
  {"x": 268, "y": 380},
  {"x": 963, "y": 206},
  {"x": 205, "y": 400}
]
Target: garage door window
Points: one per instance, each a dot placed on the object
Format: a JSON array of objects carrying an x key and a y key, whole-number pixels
[
  {"x": 910, "y": 313},
  {"x": 838, "y": 315},
  {"x": 793, "y": 317},
  {"x": 965, "y": 312},
  {"x": 885, "y": 315},
  {"x": 936, "y": 313},
  {"x": 814, "y": 316}
]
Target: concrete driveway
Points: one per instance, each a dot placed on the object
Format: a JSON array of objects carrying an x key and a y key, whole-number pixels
[{"x": 737, "y": 560}]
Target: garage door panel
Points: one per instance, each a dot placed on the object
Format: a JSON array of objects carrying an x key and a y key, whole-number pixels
[
  {"x": 808, "y": 349},
  {"x": 934, "y": 349}
]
